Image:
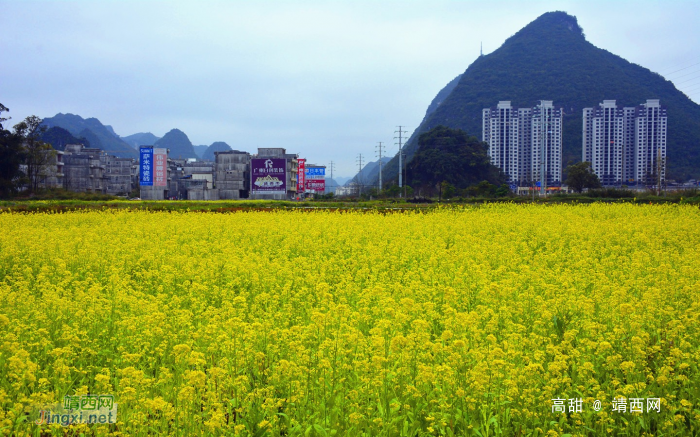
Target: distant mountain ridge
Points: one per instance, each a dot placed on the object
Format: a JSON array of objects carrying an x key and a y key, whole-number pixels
[
  {"x": 65, "y": 129},
  {"x": 370, "y": 173},
  {"x": 199, "y": 150},
  {"x": 140, "y": 139},
  {"x": 550, "y": 59},
  {"x": 97, "y": 134},
  {"x": 59, "y": 138},
  {"x": 218, "y": 146},
  {"x": 178, "y": 143}
]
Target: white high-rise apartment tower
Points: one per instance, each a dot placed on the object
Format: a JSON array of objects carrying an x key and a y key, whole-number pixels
[
  {"x": 500, "y": 128},
  {"x": 546, "y": 143},
  {"x": 625, "y": 146},
  {"x": 525, "y": 142},
  {"x": 650, "y": 142}
]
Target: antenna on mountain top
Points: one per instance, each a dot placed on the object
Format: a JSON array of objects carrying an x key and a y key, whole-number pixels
[{"x": 481, "y": 50}]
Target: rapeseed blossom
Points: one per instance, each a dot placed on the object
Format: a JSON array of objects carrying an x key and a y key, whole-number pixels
[{"x": 457, "y": 321}]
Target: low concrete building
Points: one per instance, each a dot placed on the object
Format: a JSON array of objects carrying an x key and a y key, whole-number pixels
[
  {"x": 197, "y": 189},
  {"x": 265, "y": 174},
  {"x": 200, "y": 170},
  {"x": 118, "y": 172},
  {"x": 232, "y": 174},
  {"x": 84, "y": 169}
]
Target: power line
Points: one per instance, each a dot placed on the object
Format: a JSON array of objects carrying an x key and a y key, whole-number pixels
[
  {"x": 684, "y": 68},
  {"x": 684, "y": 75},
  {"x": 692, "y": 94},
  {"x": 686, "y": 81}
]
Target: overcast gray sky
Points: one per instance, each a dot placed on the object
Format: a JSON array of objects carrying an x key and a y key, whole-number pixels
[{"x": 327, "y": 80}]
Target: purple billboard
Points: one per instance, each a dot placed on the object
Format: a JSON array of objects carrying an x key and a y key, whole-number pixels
[{"x": 268, "y": 175}]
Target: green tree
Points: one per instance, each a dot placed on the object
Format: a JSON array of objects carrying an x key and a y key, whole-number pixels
[
  {"x": 580, "y": 176},
  {"x": 453, "y": 157},
  {"x": 391, "y": 191},
  {"x": 3, "y": 108},
  {"x": 11, "y": 157},
  {"x": 37, "y": 154},
  {"x": 447, "y": 190}
]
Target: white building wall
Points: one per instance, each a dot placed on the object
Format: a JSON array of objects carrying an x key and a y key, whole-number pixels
[
  {"x": 624, "y": 144},
  {"x": 650, "y": 142},
  {"x": 501, "y": 132},
  {"x": 547, "y": 143}
]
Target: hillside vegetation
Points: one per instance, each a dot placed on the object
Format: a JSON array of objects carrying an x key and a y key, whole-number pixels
[{"x": 550, "y": 59}]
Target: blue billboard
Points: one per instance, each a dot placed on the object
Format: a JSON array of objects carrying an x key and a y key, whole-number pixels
[
  {"x": 315, "y": 172},
  {"x": 146, "y": 166}
]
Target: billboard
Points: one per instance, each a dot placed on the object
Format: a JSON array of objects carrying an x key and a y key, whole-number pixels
[
  {"x": 316, "y": 185},
  {"x": 300, "y": 175},
  {"x": 146, "y": 166},
  {"x": 160, "y": 170},
  {"x": 316, "y": 173},
  {"x": 268, "y": 175}
]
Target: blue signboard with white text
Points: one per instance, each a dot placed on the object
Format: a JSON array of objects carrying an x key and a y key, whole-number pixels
[
  {"x": 315, "y": 172},
  {"x": 146, "y": 166}
]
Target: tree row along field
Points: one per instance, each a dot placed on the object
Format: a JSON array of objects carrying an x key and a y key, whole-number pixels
[{"x": 454, "y": 321}]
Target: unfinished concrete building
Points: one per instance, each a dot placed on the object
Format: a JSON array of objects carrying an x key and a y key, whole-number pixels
[
  {"x": 175, "y": 173},
  {"x": 200, "y": 170},
  {"x": 232, "y": 176},
  {"x": 50, "y": 173},
  {"x": 118, "y": 172},
  {"x": 83, "y": 169},
  {"x": 197, "y": 189}
]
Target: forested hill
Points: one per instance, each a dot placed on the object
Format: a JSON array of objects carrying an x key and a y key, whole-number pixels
[{"x": 550, "y": 59}]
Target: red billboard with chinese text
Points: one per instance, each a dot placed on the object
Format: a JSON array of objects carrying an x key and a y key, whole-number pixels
[
  {"x": 160, "y": 169},
  {"x": 300, "y": 175},
  {"x": 316, "y": 185}
]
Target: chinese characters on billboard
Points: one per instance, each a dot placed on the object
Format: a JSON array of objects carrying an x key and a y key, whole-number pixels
[
  {"x": 300, "y": 175},
  {"x": 316, "y": 185},
  {"x": 160, "y": 172},
  {"x": 315, "y": 179},
  {"x": 153, "y": 170},
  {"x": 316, "y": 173},
  {"x": 146, "y": 166},
  {"x": 268, "y": 175}
]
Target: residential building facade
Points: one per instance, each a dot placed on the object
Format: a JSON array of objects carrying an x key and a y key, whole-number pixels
[
  {"x": 232, "y": 174},
  {"x": 625, "y": 145},
  {"x": 525, "y": 143}
]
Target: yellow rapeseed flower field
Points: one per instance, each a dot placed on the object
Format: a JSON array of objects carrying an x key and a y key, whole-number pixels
[{"x": 492, "y": 320}]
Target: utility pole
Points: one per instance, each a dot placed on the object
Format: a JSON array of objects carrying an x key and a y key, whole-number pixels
[
  {"x": 400, "y": 138},
  {"x": 336, "y": 185},
  {"x": 359, "y": 172},
  {"x": 379, "y": 149},
  {"x": 406, "y": 184}
]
